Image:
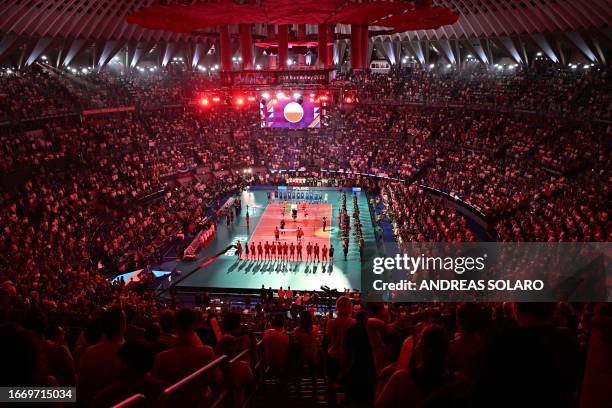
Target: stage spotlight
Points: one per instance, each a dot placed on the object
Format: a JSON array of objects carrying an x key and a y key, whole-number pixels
[
  {"x": 280, "y": 95},
  {"x": 240, "y": 101},
  {"x": 265, "y": 95},
  {"x": 296, "y": 95},
  {"x": 204, "y": 101},
  {"x": 251, "y": 98},
  {"x": 216, "y": 99},
  {"x": 348, "y": 99}
]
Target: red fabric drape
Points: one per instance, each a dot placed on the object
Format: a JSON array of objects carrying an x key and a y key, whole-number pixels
[
  {"x": 323, "y": 48},
  {"x": 356, "y": 59},
  {"x": 283, "y": 45},
  {"x": 246, "y": 46},
  {"x": 226, "y": 48}
]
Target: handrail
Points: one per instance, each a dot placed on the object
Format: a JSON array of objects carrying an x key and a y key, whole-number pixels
[
  {"x": 138, "y": 399},
  {"x": 195, "y": 375},
  {"x": 133, "y": 401},
  {"x": 240, "y": 355},
  {"x": 165, "y": 395}
]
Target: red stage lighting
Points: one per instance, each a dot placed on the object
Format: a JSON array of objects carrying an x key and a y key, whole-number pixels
[
  {"x": 216, "y": 99},
  {"x": 348, "y": 99},
  {"x": 240, "y": 101},
  {"x": 204, "y": 101},
  {"x": 251, "y": 98},
  {"x": 323, "y": 97}
]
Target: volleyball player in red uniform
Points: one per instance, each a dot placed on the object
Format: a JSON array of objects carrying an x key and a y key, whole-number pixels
[
  {"x": 259, "y": 251},
  {"x": 285, "y": 251},
  {"x": 298, "y": 249},
  {"x": 279, "y": 249},
  {"x": 308, "y": 251},
  {"x": 291, "y": 251},
  {"x": 267, "y": 250},
  {"x": 253, "y": 253},
  {"x": 273, "y": 251},
  {"x": 316, "y": 252}
]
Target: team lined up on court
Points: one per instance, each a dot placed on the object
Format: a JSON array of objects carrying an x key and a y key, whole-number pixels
[{"x": 276, "y": 250}]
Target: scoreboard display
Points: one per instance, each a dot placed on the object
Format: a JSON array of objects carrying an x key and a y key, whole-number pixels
[{"x": 293, "y": 113}]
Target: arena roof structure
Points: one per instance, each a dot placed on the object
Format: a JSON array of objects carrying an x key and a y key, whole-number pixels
[{"x": 97, "y": 30}]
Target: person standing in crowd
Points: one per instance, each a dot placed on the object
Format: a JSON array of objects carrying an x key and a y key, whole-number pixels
[
  {"x": 281, "y": 295},
  {"x": 360, "y": 372},
  {"x": 331, "y": 253},
  {"x": 306, "y": 337},
  {"x": 275, "y": 345},
  {"x": 298, "y": 249},
  {"x": 186, "y": 355},
  {"x": 100, "y": 364},
  {"x": 253, "y": 253},
  {"x": 134, "y": 377},
  {"x": 324, "y": 223},
  {"x": 324, "y": 253},
  {"x": 259, "y": 251},
  {"x": 336, "y": 330}
]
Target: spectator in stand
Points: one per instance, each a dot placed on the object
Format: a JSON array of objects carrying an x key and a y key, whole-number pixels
[
  {"x": 275, "y": 343},
  {"x": 186, "y": 355},
  {"x": 306, "y": 337},
  {"x": 468, "y": 341},
  {"x": 336, "y": 330},
  {"x": 23, "y": 361},
  {"x": 134, "y": 378},
  {"x": 241, "y": 380},
  {"x": 360, "y": 378},
  {"x": 231, "y": 325},
  {"x": 100, "y": 365},
  {"x": 427, "y": 372},
  {"x": 166, "y": 323},
  {"x": 536, "y": 358}
]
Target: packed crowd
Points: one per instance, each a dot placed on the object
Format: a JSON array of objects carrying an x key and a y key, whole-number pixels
[
  {"x": 371, "y": 354},
  {"x": 95, "y": 197},
  {"x": 551, "y": 89}
]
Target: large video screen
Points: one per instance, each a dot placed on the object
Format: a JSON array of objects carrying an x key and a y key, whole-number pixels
[{"x": 294, "y": 113}]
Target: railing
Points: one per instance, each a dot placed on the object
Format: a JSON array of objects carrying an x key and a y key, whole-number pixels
[
  {"x": 223, "y": 397},
  {"x": 135, "y": 400},
  {"x": 169, "y": 393}
]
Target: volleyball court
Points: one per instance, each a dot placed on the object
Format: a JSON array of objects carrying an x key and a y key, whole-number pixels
[{"x": 309, "y": 219}]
